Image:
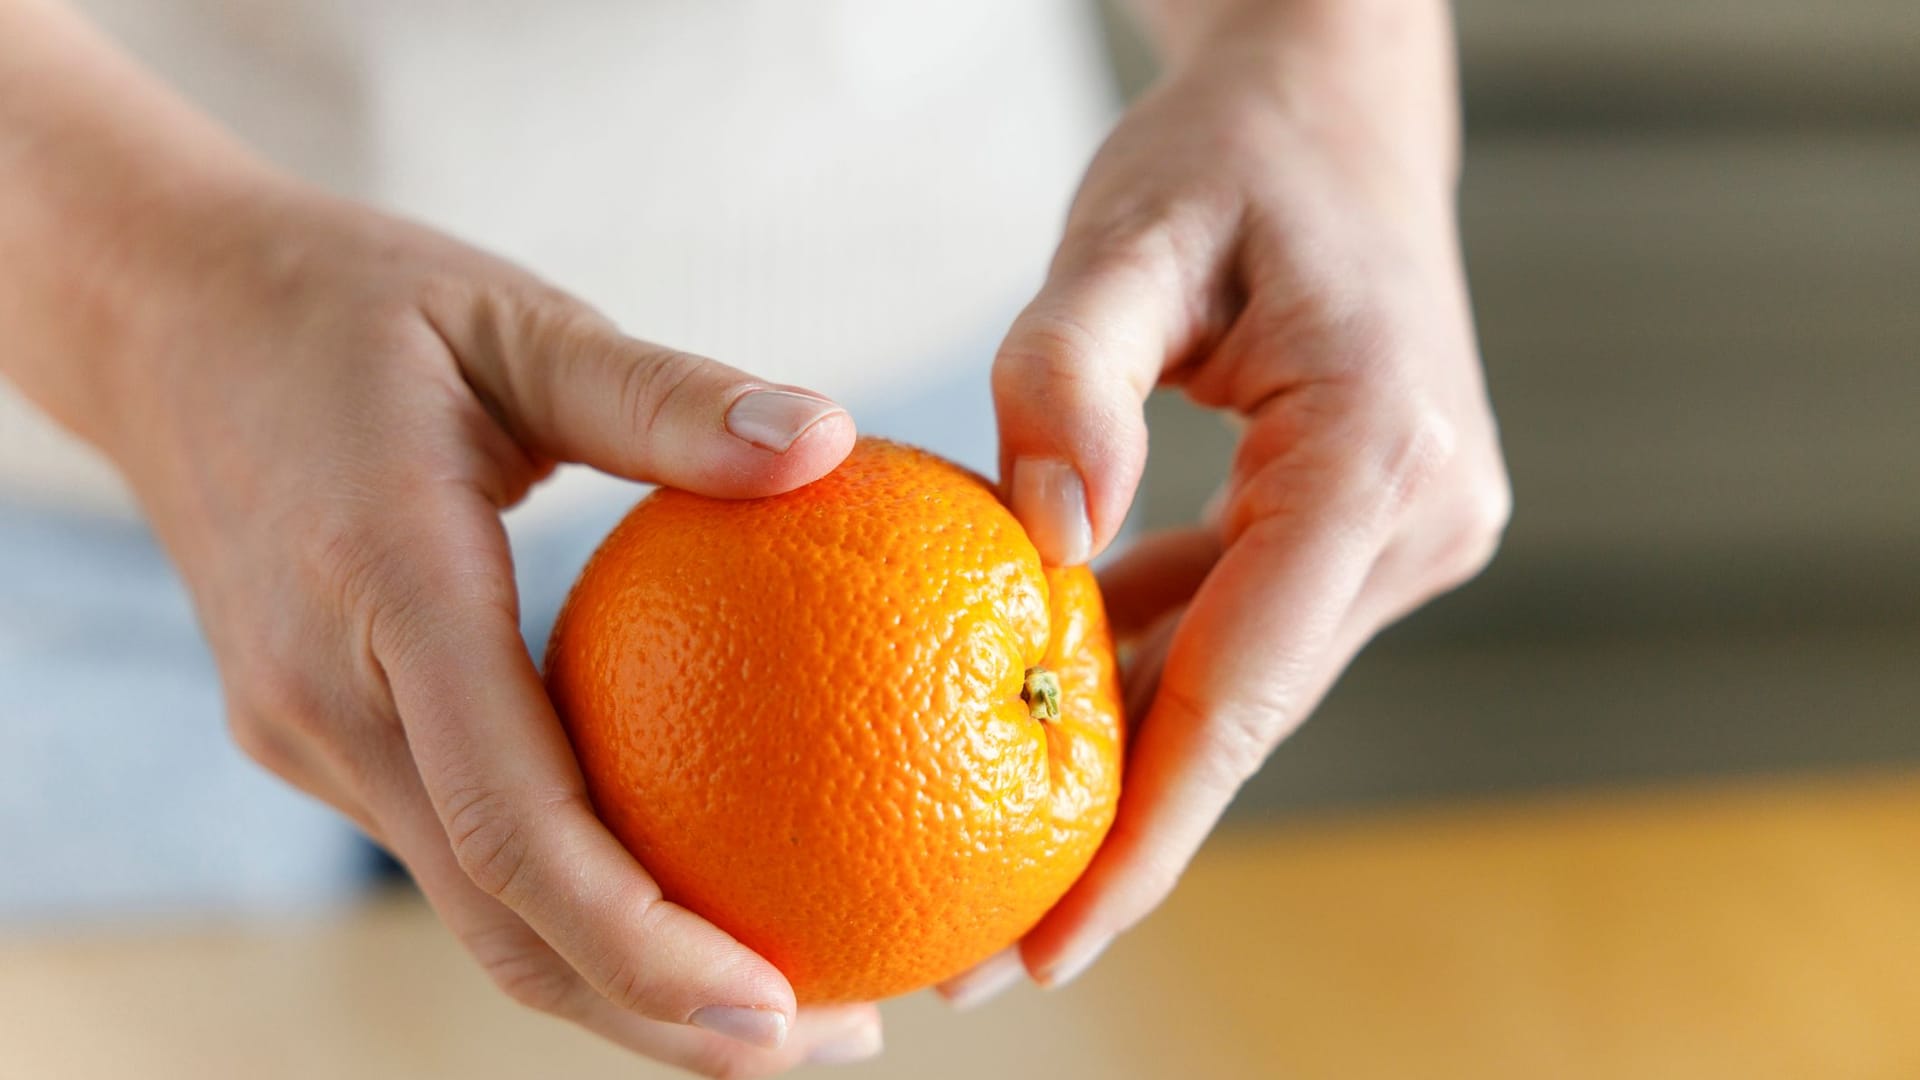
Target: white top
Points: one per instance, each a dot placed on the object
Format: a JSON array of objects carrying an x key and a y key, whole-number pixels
[{"x": 834, "y": 193}]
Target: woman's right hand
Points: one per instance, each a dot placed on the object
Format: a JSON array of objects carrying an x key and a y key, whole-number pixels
[{"x": 323, "y": 411}]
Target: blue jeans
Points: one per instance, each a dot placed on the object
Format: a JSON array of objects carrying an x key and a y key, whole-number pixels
[{"x": 119, "y": 788}]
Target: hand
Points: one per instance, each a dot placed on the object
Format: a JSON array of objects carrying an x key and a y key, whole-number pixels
[
  {"x": 324, "y": 411},
  {"x": 1271, "y": 229}
]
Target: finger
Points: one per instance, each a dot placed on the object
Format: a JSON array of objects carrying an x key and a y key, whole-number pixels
[
  {"x": 1243, "y": 666},
  {"x": 1427, "y": 559},
  {"x": 985, "y": 980},
  {"x": 822, "y": 1035},
  {"x": 528, "y": 970},
  {"x": 1448, "y": 540},
  {"x": 568, "y": 385},
  {"x": 1154, "y": 575},
  {"x": 269, "y": 746},
  {"x": 1146, "y": 662},
  {"x": 510, "y": 799},
  {"x": 1070, "y": 380}
]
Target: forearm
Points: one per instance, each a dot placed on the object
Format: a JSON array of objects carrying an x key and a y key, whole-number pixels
[
  {"x": 1381, "y": 72},
  {"x": 108, "y": 185}
]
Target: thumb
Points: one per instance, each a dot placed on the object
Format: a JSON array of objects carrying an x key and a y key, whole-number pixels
[
  {"x": 1069, "y": 384},
  {"x": 571, "y": 387}
]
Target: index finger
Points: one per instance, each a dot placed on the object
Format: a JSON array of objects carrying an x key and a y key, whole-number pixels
[
  {"x": 502, "y": 778},
  {"x": 1243, "y": 668}
]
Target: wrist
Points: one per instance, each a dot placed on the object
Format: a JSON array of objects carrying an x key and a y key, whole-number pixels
[
  {"x": 119, "y": 280},
  {"x": 110, "y": 187},
  {"x": 1371, "y": 83}
]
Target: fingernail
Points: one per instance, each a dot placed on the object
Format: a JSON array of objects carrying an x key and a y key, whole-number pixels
[
  {"x": 760, "y": 1027},
  {"x": 857, "y": 1045},
  {"x": 774, "y": 419},
  {"x": 1051, "y": 501},
  {"x": 1065, "y": 971},
  {"x": 985, "y": 981}
]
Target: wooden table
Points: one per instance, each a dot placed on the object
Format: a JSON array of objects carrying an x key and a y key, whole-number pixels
[{"x": 1759, "y": 931}]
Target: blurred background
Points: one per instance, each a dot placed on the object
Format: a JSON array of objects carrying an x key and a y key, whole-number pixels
[
  {"x": 1639, "y": 802},
  {"x": 1693, "y": 237}
]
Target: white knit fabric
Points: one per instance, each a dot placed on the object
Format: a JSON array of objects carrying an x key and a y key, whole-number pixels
[{"x": 826, "y": 192}]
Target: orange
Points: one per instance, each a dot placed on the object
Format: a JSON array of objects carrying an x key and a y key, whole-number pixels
[{"x": 857, "y": 726}]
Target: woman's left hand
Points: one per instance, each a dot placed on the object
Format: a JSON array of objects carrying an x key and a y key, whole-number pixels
[{"x": 1271, "y": 229}]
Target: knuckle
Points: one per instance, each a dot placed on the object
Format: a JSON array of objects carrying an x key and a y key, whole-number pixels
[
  {"x": 1365, "y": 465},
  {"x": 1358, "y": 458},
  {"x": 1050, "y": 351},
  {"x": 1060, "y": 346},
  {"x": 1274, "y": 491},
  {"x": 1318, "y": 331},
  {"x": 1231, "y": 744},
  {"x": 722, "y": 1060},
  {"x": 419, "y": 603},
  {"x": 262, "y": 743},
  {"x": 1056, "y": 361},
  {"x": 436, "y": 291},
  {"x": 1235, "y": 746},
  {"x": 338, "y": 553},
  {"x": 1492, "y": 507},
  {"x": 489, "y": 841},
  {"x": 649, "y": 385},
  {"x": 627, "y": 988},
  {"x": 627, "y": 985},
  {"x": 533, "y": 978},
  {"x": 395, "y": 325},
  {"x": 543, "y": 333},
  {"x": 281, "y": 703},
  {"x": 490, "y": 304},
  {"x": 1154, "y": 237},
  {"x": 1480, "y": 522},
  {"x": 1419, "y": 443},
  {"x": 1143, "y": 244}
]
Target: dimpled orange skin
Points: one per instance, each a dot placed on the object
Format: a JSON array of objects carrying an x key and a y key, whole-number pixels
[{"x": 803, "y": 715}]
